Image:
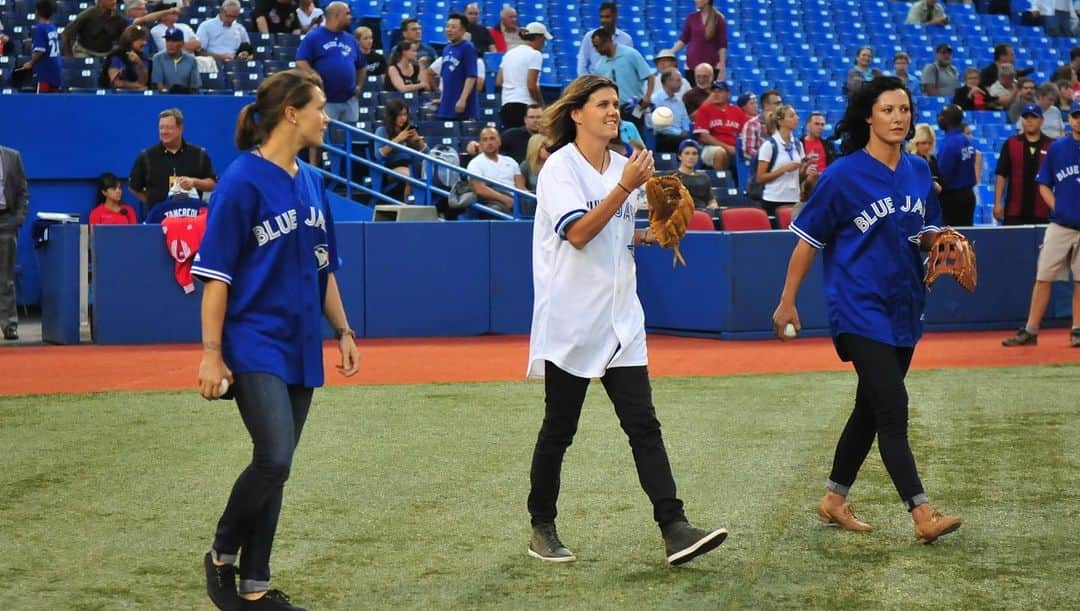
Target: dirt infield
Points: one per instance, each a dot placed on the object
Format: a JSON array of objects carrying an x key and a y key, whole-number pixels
[{"x": 90, "y": 368}]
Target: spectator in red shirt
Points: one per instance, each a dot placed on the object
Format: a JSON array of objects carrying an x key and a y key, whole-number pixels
[
  {"x": 716, "y": 126},
  {"x": 110, "y": 210},
  {"x": 816, "y": 149}
]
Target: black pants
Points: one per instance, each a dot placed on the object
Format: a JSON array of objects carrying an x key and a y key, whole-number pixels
[
  {"x": 957, "y": 207},
  {"x": 513, "y": 114},
  {"x": 667, "y": 143},
  {"x": 629, "y": 389},
  {"x": 274, "y": 415},
  {"x": 881, "y": 408}
]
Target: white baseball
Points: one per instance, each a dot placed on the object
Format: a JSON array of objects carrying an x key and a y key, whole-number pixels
[
  {"x": 662, "y": 117},
  {"x": 224, "y": 386},
  {"x": 789, "y": 330}
]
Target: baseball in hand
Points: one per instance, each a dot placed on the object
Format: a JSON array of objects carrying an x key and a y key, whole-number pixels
[
  {"x": 224, "y": 388},
  {"x": 789, "y": 330},
  {"x": 662, "y": 117}
]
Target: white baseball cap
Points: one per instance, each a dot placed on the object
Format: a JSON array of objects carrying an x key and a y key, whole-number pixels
[{"x": 538, "y": 28}]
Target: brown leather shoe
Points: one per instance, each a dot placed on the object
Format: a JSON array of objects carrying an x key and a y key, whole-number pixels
[
  {"x": 937, "y": 524},
  {"x": 843, "y": 516}
]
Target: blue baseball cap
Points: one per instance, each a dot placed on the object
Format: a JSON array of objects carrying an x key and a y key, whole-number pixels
[
  {"x": 174, "y": 34},
  {"x": 1031, "y": 110},
  {"x": 1074, "y": 107},
  {"x": 722, "y": 85},
  {"x": 744, "y": 98},
  {"x": 689, "y": 143}
]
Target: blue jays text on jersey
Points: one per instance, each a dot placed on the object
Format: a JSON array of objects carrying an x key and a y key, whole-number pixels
[
  {"x": 884, "y": 207},
  {"x": 285, "y": 222}
]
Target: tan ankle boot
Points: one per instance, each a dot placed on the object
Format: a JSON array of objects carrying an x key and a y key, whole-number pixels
[
  {"x": 931, "y": 523},
  {"x": 842, "y": 516}
]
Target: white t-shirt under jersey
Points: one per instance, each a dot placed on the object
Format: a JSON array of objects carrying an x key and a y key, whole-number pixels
[
  {"x": 586, "y": 313},
  {"x": 515, "y": 68}
]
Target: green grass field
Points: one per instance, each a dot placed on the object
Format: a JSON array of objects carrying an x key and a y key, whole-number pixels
[{"x": 413, "y": 497}]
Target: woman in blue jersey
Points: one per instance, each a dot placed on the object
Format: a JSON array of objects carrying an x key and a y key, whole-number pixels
[
  {"x": 268, "y": 258},
  {"x": 871, "y": 213}
]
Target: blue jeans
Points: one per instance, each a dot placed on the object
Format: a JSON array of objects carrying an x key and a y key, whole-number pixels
[{"x": 274, "y": 414}]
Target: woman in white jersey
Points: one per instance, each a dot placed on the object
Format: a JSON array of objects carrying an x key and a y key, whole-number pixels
[{"x": 587, "y": 320}]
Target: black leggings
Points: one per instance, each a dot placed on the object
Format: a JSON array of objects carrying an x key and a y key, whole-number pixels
[
  {"x": 957, "y": 207},
  {"x": 630, "y": 391},
  {"x": 881, "y": 408}
]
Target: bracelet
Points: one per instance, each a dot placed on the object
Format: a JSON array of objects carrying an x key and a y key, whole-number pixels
[
  {"x": 623, "y": 188},
  {"x": 342, "y": 332}
]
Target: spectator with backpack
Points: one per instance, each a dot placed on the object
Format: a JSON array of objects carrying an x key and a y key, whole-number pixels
[{"x": 781, "y": 161}]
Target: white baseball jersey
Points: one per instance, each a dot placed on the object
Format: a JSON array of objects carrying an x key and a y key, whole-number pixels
[{"x": 586, "y": 313}]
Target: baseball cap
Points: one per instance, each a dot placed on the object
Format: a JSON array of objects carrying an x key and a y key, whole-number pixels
[
  {"x": 688, "y": 143},
  {"x": 943, "y": 47},
  {"x": 538, "y": 28},
  {"x": 664, "y": 54},
  {"x": 722, "y": 85},
  {"x": 1033, "y": 110},
  {"x": 1074, "y": 107},
  {"x": 744, "y": 98},
  {"x": 174, "y": 34}
]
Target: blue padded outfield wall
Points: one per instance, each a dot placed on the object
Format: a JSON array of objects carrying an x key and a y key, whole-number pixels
[
  {"x": 475, "y": 277},
  {"x": 68, "y": 140}
]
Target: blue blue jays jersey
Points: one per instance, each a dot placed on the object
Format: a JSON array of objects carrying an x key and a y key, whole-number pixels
[
  {"x": 868, "y": 219},
  {"x": 1061, "y": 172},
  {"x": 186, "y": 206},
  {"x": 270, "y": 237},
  {"x": 956, "y": 160}
]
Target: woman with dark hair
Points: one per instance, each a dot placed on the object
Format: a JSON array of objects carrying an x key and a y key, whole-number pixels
[
  {"x": 403, "y": 73},
  {"x": 861, "y": 73},
  {"x": 704, "y": 35},
  {"x": 587, "y": 320},
  {"x": 109, "y": 208},
  {"x": 397, "y": 126},
  {"x": 125, "y": 66},
  {"x": 268, "y": 258},
  {"x": 871, "y": 213}
]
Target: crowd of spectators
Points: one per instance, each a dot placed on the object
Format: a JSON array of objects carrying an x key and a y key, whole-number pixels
[{"x": 141, "y": 50}]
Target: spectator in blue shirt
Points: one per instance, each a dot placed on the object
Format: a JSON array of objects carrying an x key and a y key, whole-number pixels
[
  {"x": 125, "y": 66},
  {"x": 332, "y": 52},
  {"x": 174, "y": 71},
  {"x": 412, "y": 32},
  {"x": 45, "y": 61},
  {"x": 458, "y": 74},
  {"x": 631, "y": 74},
  {"x": 956, "y": 162},
  {"x": 587, "y": 55},
  {"x": 669, "y": 137}
]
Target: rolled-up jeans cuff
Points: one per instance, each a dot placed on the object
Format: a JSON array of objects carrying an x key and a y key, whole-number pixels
[
  {"x": 840, "y": 489},
  {"x": 915, "y": 501},
  {"x": 223, "y": 558},
  {"x": 250, "y": 586}
]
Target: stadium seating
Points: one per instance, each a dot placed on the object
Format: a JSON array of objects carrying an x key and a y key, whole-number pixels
[
  {"x": 701, "y": 221},
  {"x": 744, "y": 219}
]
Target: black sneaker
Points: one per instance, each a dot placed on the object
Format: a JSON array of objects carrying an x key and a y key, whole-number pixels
[
  {"x": 273, "y": 599},
  {"x": 684, "y": 542},
  {"x": 11, "y": 333},
  {"x": 221, "y": 584},
  {"x": 1022, "y": 338},
  {"x": 1074, "y": 338},
  {"x": 545, "y": 545}
]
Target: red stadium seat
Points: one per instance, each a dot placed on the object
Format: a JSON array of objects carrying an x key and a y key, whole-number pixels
[
  {"x": 744, "y": 219},
  {"x": 701, "y": 221},
  {"x": 783, "y": 216}
]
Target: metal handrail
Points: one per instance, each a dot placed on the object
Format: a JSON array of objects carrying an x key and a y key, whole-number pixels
[{"x": 431, "y": 163}]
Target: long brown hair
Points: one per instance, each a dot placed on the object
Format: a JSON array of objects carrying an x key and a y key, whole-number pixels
[
  {"x": 712, "y": 17},
  {"x": 294, "y": 88},
  {"x": 558, "y": 125}
]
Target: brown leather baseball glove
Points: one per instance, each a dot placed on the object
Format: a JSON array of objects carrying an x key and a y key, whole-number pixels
[
  {"x": 952, "y": 255},
  {"x": 670, "y": 209}
]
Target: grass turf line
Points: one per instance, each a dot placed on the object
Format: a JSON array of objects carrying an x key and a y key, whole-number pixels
[{"x": 413, "y": 497}]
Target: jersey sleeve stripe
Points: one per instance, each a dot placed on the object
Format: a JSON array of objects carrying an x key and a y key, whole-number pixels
[
  {"x": 809, "y": 239},
  {"x": 564, "y": 222},
  {"x": 42, "y": 49},
  {"x": 203, "y": 272}
]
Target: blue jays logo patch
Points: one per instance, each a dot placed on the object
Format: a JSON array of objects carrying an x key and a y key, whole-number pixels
[{"x": 322, "y": 256}]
